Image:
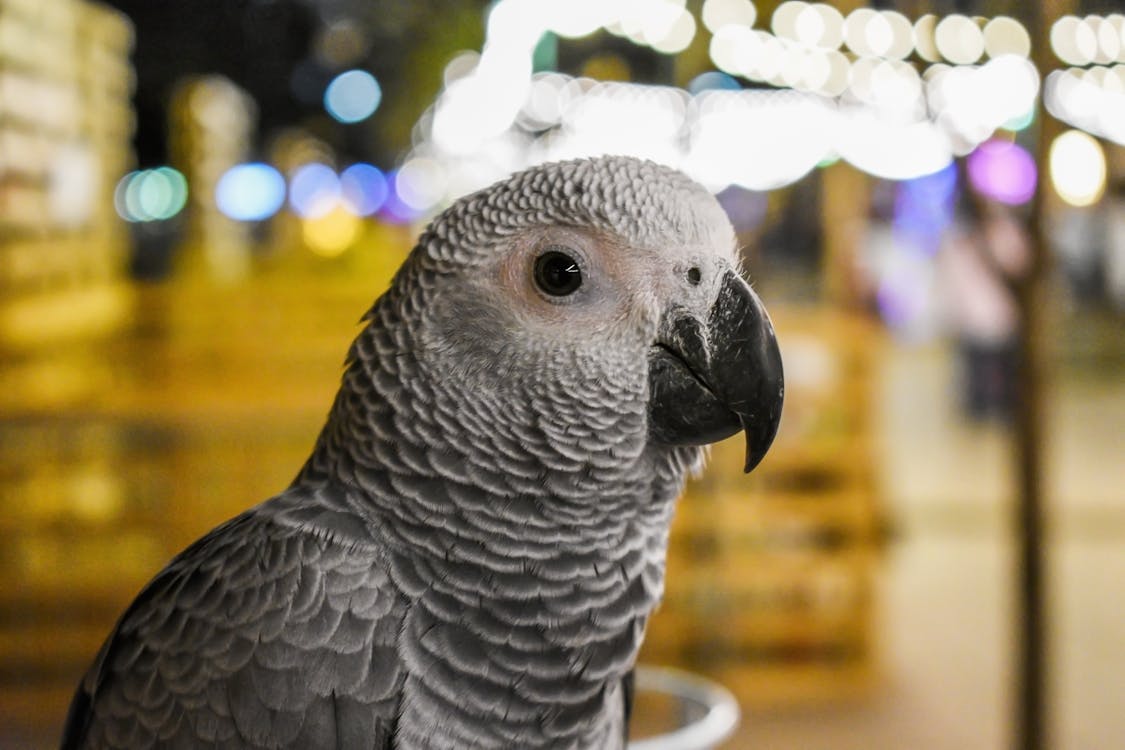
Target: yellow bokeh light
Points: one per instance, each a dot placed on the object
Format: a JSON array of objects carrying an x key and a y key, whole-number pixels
[
  {"x": 333, "y": 233},
  {"x": 1078, "y": 169}
]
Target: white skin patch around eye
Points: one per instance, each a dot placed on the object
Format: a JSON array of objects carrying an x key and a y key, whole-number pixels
[
  {"x": 602, "y": 296},
  {"x": 624, "y": 290}
]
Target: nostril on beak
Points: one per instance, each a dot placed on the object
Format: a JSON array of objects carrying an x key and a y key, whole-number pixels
[{"x": 694, "y": 276}]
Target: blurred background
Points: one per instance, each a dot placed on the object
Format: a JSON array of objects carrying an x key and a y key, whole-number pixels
[{"x": 199, "y": 199}]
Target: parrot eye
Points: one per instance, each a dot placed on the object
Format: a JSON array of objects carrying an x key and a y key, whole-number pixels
[{"x": 557, "y": 273}]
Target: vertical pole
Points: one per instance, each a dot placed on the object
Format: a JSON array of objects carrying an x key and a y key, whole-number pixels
[{"x": 1032, "y": 715}]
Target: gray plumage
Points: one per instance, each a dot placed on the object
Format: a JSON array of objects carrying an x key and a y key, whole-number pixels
[{"x": 469, "y": 556}]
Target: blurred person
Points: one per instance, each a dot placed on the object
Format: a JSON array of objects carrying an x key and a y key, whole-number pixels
[
  {"x": 1078, "y": 236},
  {"x": 982, "y": 255}
]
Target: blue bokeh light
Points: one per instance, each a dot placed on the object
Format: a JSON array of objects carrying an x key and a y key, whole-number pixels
[
  {"x": 314, "y": 190},
  {"x": 364, "y": 188},
  {"x": 713, "y": 80},
  {"x": 924, "y": 208},
  {"x": 250, "y": 192},
  {"x": 352, "y": 96}
]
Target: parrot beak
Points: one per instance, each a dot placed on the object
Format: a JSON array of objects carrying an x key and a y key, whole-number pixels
[{"x": 710, "y": 379}]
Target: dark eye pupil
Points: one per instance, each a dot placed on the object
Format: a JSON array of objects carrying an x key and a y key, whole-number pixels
[{"x": 557, "y": 273}]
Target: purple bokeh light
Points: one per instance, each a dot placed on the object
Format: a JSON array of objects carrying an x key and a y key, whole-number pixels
[
  {"x": 924, "y": 208},
  {"x": 394, "y": 210},
  {"x": 1002, "y": 171}
]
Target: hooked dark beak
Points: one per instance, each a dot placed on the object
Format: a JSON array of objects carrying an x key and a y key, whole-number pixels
[{"x": 710, "y": 380}]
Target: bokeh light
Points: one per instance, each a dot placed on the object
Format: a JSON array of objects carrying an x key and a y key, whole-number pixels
[
  {"x": 784, "y": 20},
  {"x": 819, "y": 26},
  {"x": 809, "y": 28},
  {"x": 878, "y": 34},
  {"x": 1074, "y": 41},
  {"x": 1002, "y": 171},
  {"x": 250, "y": 192},
  {"x": 363, "y": 188},
  {"x": 1111, "y": 38},
  {"x": 420, "y": 183},
  {"x": 894, "y": 151},
  {"x": 856, "y": 31},
  {"x": 151, "y": 195},
  {"x": 720, "y": 13},
  {"x": 719, "y": 153},
  {"x": 678, "y": 36},
  {"x": 1006, "y": 36},
  {"x": 713, "y": 80},
  {"x": 924, "y": 208},
  {"x": 971, "y": 102},
  {"x": 314, "y": 190},
  {"x": 959, "y": 39},
  {"x": 126, "y": 198},
  {"x": 924, "y": 42},
  {"x": 459, "y": 66},
  {"x": 1078, "y": 168},
  {"x": 902, "y": 35},
  {"x": 341, "y": 42},
  {"x": 1092, "y": 99},
  {"x": 394, "y": 210},
  {"x": 332, "y": 233},
  {"x": 545, "y": 101},
  {"x": 495, "y": 115},
  {"x": 352, "y": 96}
]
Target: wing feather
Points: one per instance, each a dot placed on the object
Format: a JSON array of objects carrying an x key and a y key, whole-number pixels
[{"x": 261, "y": 634}]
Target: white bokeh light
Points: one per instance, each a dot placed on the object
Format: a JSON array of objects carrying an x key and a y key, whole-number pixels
[
  {"x": 1006, "y": 36},
  {"x": 959, "y": 39},
  {"x": 1077, "y": 168},
  {"x": 867, "y": 104},
  {"x": 891, "y": 150},
  {"x": 720, "y": 13}
]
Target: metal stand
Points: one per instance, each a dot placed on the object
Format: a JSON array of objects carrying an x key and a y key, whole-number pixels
[{"x": 715, "y": 707}]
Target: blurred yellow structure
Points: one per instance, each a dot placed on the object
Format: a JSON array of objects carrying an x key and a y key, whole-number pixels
[
  {"x": 211, "y": 130},
  {"x": 65, "y": 127},
  {"x": 65, "y": 130}
]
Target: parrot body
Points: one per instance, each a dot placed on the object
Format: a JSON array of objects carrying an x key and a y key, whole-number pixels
[{"x": 469, "y": 556}]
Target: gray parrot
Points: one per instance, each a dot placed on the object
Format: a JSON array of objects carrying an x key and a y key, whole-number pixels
[{"x": 469, "y": 556}]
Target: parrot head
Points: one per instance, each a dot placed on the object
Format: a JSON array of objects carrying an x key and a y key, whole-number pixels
[{"x": 609, "y": 283}]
